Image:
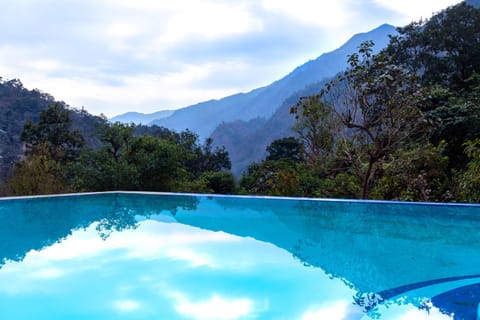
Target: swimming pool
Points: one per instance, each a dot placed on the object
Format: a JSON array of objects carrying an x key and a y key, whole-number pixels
[{"x": 168, "y": 256}]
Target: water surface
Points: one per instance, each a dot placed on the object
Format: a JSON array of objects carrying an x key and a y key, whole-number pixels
[{"x": 151, "y": 256}]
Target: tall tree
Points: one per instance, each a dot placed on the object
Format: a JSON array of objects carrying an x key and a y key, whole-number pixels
[
  {"x": 379, "y": 108},
  {"x": 53, "y": 132},
  {"x": 51, "y": 147},
  {"x": 288, "y": 148},
  {"x": 443, "y": 50},
  {"x": 316, "y": 126}
]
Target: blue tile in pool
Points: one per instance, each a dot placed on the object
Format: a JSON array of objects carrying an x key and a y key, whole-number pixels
[{"x": 160, "y": 256}]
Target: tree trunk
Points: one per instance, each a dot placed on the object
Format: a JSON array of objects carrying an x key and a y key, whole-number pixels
[{"x": 366, "y": 180}]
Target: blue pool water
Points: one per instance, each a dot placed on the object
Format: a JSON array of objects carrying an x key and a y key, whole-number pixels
[{"x": 157, "y": 256}]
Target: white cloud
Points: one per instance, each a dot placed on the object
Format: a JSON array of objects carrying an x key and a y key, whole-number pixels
[
  {"x": 122, "y": 30},
  {"x": 345, "y": 310},
  {"x": 414, "y": 9},
  {"x": 196, "y": 259},
  {"x": 169, "y": 23},
  {"x": 211, "y": 20},
  {"x": 127, "y": 305},
  {"x": 215, "y": 308},
  {"x": 313, "y": 12},
  {"x": 48, "y": 273},
  {"x": 410, "y": 312},
  {"x": 331, "y": 310}
]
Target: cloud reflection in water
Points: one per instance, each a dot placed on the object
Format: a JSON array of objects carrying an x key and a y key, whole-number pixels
[{"x": 164, "y": 269}]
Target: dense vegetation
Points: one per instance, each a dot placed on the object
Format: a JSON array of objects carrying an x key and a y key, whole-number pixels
[
  {"x": 400, "y": 124},
  {"x": 128, "y": 157}
]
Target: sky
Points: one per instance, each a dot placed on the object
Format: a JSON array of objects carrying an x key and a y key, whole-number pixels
[{"x": 114, "y": 56}]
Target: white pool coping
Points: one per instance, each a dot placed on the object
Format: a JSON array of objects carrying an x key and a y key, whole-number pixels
[{"x": 449, "y": 204}]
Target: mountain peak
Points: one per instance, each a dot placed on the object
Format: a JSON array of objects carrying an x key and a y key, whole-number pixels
[{"x": 141, "y": 118}]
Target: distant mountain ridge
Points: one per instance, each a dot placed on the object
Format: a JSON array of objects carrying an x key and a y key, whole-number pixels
[
  {"x": 204, "y": 117},
  {"x": 141, "y": 118}
]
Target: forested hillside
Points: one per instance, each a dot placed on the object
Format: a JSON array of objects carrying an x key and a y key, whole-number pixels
[
  {"x": 59, "y": 159},
  {"x": 18, "y": 105}
]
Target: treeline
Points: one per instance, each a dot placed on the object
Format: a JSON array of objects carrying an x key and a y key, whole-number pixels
[
  {"x": 402, "y": 124},
  {"x": 128, "y": 157}
]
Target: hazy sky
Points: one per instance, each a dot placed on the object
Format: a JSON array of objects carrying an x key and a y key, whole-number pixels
[{"x": 113, "y": 56}]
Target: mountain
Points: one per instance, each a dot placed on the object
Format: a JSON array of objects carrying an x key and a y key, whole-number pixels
[
  {"x": 204, "y": 117},
  {"x": 141, "y": 118}
]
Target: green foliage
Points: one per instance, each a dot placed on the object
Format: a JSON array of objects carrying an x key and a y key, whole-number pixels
[
  {"x": 53, "y": 133},
  {"x": 218, "y": 182},
  {"x": 204, "y": 158},
  {"x": 443, "y": 50},
  {"x": 415, "y": 174},
  {"x": 51, "y": 146},
  {"x": 38, "y": 174},
  {"x": 343, "y": 185},
  {"x": 97, "y": 170},
  {"x": 456, "y": 118},
  {"x": 159, "y": 163},
  {"x": 316, "y": 126},
  {"x": 468, "y": 182},
  {"x": 378, "y": 110},
  {"x": 288, "y": 148},
  {"x": 444, "y": 53},
  {"x": 394, "y": 124},
  {"x": 278, "y": 178},
  {"x": 168, "y": 161}
]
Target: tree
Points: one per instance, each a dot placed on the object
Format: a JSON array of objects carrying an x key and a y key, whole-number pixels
[
  {"x": 316, "y": 126},
  {"x": 160, "y": 164},
  {"x": 218, "y": 182},
  {"x": 277, "y": 178},
  {"x": 118, "y": 138},
  {"x": 53, "y": 133},
  {"x": 444, "y": 53},
  {"x": 156, "y": 160},
  {"x": 202, "y": 158},
  {"x": 38, "y": 174},
  {"x": 468, "y": 182},
  {"x": 377, "y": 102},
  {"x": 456, "y": 119},
  {"x": 108, "y": 167},
  {"x": 418, "y": 173},
  {"x": 288, "y": 148},
  {"x": 444, "y": 50},
  {"x": 51, "y": 148}
]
